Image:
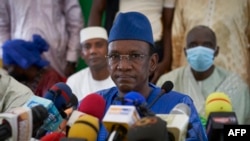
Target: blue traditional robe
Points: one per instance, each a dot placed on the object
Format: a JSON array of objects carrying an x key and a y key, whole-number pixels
[{"x": 163, "y": 106}]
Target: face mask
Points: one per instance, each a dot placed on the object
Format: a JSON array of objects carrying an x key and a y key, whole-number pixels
[{"x": 200, "y": 58}]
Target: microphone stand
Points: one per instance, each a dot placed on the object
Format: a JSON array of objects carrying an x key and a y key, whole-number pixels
[{"x": 118, "y": 133}]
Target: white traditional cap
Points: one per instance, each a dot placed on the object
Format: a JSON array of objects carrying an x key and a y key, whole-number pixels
[{"x": 93, "y": 32}]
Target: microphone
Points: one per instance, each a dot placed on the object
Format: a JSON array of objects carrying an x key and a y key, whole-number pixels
[
  {"x": 73, "y": 117},
  {"x": 39, "y": 114},
  {"x": 85, "y": 127},
  {"x": 218, "y": 102},
  {"x": 133, "y": 98},
  {"x": 138, "y": 100},
  {"x": 21, "y": 122},
  {"x": 54, "y": 136},
  {"x": 89, "y": 106},
  {"x": 118, "y": 119},
  {"x": 181, "y": 108},
  {"x": 166, "y": 88},
  {"x": 218, "y": 109},
  {"x": 177, "y": 121},
  {"x": 62, "y": 97},
  {"x": 54, "y": 119},
  {"x": 57, "y": 99},
  {"x": 148, "y": 129}
]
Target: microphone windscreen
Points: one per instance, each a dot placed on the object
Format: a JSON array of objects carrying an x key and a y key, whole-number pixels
[
  {"x": 61, "y": 95},
  {"x": 148, "y": 129},
  {"x": 217, "y": 102},
  {"x": 85, "y": 127},
  {"x": 181, "y": 108},
  {"x": 93, "y": 104},
  {"x": 39, "y": 114},
  {"x": 54, "y": 136},
  {"x": 134, "y": 98},
  {"x": 5, "y": 129},
  {"x": 167, "y": 86}
]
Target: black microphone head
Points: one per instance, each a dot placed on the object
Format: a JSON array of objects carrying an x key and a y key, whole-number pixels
[
  {"x": 5, "y": 130},
  {"x": 148, "y": 129},
  {"x": 39, "y": 114},
  {"x": 167, "y": 86},
  {"x": 215, "y": 124},
  {"x": 73, "y": 102}
]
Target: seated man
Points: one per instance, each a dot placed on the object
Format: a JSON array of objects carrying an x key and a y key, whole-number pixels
[
  {"x": 201, "y": 77},
  {"x": 13, "y": 94},
  {"x": 23, "y": 60},
  {"x": 96, "y": 76},
  {"x": 132, "y": 58}
]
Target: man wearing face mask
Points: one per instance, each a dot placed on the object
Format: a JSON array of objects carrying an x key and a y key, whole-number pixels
[{"x": 201, "y": 77}]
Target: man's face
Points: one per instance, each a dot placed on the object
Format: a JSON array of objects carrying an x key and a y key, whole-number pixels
[
  {"x": 130, "y": 64},
  {"x": 93, "y": 52},
  {"x": 201, "y": 49},
  {"x": 201, "y": 37}
]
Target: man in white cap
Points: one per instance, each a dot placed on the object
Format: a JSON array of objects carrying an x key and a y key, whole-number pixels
[{"x": 96, "y": 76}]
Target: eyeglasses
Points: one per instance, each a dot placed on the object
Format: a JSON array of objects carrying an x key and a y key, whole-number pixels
[{"x": 133, "y": 58}]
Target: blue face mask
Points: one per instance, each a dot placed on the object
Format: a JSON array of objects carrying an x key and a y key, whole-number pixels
[{"x": 200, "y": 58}]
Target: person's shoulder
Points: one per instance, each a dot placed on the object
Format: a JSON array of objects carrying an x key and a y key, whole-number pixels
[
  {"x": 12, "y": 85},
  {"x": 179, "y": 96},
  {"x": 175, "y": 71},
  {"x": 222, "y": 70},
  {"x": 108, "y": 92},
  {"x": 5, "y": 80},
  {"x": 227, "y": 73},
  {"x": 79, "y": 74},
  {"x": 177, "y": 93},
  {"x": 231, "y": 76},
  {"x": 3, "y": 72},
  {"x": 172, "y": 75}
]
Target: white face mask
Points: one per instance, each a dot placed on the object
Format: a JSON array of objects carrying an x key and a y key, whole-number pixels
[{"x": 200, "y": 58}]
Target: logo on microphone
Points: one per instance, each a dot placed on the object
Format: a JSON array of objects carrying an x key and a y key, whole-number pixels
[
  {"x": 225, "y": 119},
  {"x": 119, "y": 111}
]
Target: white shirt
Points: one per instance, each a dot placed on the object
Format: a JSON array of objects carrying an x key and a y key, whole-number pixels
[{"x": 82, "y": 83}]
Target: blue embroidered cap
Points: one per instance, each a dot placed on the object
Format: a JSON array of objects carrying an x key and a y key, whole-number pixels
[{"x": 131, "y": 26}]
